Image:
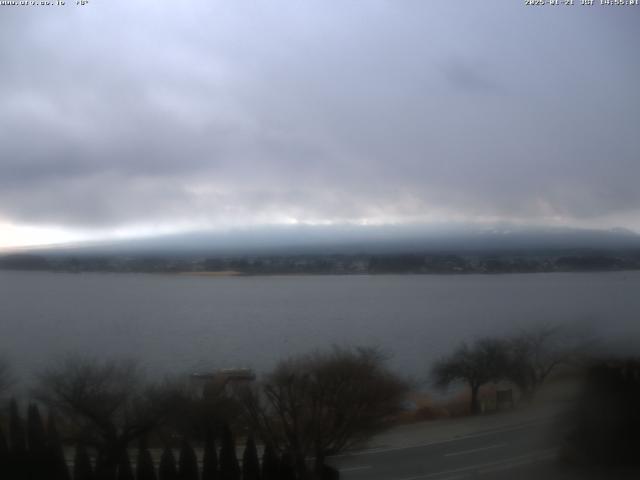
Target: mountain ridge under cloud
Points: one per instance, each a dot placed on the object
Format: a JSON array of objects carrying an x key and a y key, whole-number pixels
[{"x": 356, "y": 239}]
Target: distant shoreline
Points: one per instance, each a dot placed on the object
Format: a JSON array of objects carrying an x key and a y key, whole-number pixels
[
  {"x": 231, "y": 273},
  {"x": 495, "y": 262},
  {"x": 220, "y": 273}
]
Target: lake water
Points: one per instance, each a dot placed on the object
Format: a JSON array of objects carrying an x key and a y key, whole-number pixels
[{"x": 177, "y": 323}]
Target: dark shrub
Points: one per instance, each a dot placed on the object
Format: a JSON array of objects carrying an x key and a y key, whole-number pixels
[
  {"x": 167, "y": 469},
  {"x": 229, "y": 468},
  {"x": 145, "y": 470},
  {"x": 82, "y": 469},
  {"x": 250, "y": 462},
  {"x": 269, "y": 464},
  {"x": 210, "y": 459},
  {"x": 188, "y": 463},
  {"x": 607, "y": 415}
]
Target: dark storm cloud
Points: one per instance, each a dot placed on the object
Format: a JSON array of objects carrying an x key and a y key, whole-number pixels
[{"x": 119, "y": 113}]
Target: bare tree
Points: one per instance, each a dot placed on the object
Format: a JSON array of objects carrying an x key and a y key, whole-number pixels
[
  {"x": 321, "y": 404},
  {"x": 535, "y": 353},
  {"x": 476, "y": 365},
  {"x": 197, "y": 412},
  {"x": 107, "y": 402}
]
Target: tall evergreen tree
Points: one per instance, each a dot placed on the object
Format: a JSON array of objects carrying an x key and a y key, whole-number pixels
[
  {"x": 125, "y": 472},
  {"x": 19, "y": 465},
  {"x": 59, "y": 469},
  {"x": 145, "y": 470},
  {"x": 104, "y": 470},
  {"x": 188, "y": 462},
  {"x": 210, "y": 458},
  {"x": 82, "y": 469},
  {"x": 250, "y": 462},
  {"x": 4, "y": 447},
  {"x": 286, "y": 470},
  {"x": 269, "y": 464},
  {"x": 5, "y": 464},
  {"x": 17, "y": 436},
  {"x": 39, "y": 462},
  {"x": 229, "y": 468},
  {"x": 167, "y": 469},
  {"x": 37, "y": 437}
]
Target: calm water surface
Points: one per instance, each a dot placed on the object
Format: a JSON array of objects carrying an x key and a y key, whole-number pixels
[{"x": 188, "y": 323}]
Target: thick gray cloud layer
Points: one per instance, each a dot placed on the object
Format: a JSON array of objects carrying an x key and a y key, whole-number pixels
[{"x": 204, "y": 113}]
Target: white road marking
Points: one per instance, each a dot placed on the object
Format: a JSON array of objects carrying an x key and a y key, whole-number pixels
[{"x": 464, "y": 452}]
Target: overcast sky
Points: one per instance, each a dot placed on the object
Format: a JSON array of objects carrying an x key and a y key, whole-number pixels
[{"x": 132, "y": 117}]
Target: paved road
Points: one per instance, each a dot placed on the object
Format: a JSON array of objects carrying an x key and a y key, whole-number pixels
[{"x": 490, "y": 454}]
